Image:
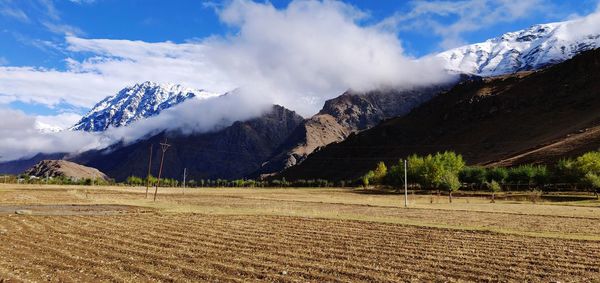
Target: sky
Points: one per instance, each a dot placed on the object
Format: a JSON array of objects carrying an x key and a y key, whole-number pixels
[{"x": 60, "y": 57}]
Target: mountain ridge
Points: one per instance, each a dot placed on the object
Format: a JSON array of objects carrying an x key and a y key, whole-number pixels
[
  {"x": 499, "y": 120},
  {"x": 137, "y": 102},
  {"x": 529, "y": 49}
]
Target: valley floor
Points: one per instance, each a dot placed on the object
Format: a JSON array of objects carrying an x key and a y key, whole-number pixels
[{"x": 115, "y": 234}]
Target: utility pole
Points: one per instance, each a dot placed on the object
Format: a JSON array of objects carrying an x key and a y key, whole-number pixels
[
  {"x": 405, "y": 184},
  {"x": 164, "y": 146},
  {"x": 149, "y": 168},
  {"x": 184, "y": 175}
]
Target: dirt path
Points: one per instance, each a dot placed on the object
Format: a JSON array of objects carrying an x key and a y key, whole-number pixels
[{"x": 72, "y": 209}]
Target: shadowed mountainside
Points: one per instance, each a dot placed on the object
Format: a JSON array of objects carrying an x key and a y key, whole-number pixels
[
  {"x": 233, "y": 152},
  {"x": 487, "y": 121}
]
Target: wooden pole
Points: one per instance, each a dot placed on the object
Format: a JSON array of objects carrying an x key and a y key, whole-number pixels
[
  {"x": 184, "y": 175},
  {"x": 149, "y": 168},
  {"x": 405, "y": 184},
  {"x": 164, "y": 147}
]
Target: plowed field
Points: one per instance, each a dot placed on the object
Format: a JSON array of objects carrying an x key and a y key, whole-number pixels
[{"x": 150, "y": 244}]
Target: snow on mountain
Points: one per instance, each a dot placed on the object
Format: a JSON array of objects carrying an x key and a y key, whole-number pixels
[
  {"x": 134, "y": 103},
  {"x": 528, "y": 49}
]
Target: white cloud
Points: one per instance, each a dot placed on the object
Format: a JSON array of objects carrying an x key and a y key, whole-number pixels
[
  {"x": 14, "y": 13},
  {"x": 57, "y": 122},
  {"x": 83, "y": 1},
  {"x": 64, "y": 29},
  {"x": 312, "y": 51},
  {"x": 297, "y": 57},
  {"x": 20, "y": 137},
  {"x": 51, "y": 87},
  {"x": 23, "y": 135},
  {"x": 580, "y": 27},
  {"x": 470, "y": 15}
]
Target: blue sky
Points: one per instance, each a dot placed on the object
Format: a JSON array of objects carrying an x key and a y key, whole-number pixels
[
  {"x": 30, "y": 43},
  {"x": 33, "y": 33}
]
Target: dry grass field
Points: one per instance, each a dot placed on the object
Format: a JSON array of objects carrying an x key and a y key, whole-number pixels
[{"x": 289, "y": 235}]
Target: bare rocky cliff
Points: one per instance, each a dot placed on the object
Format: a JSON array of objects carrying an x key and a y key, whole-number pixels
[{"x": 342, "y": 116}]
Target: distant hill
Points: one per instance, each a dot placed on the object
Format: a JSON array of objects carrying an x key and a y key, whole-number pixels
[
  {"x": 502, "y": 119},
  {"x": 63, "y": 168},
  {"x": 19, "y": 166}
]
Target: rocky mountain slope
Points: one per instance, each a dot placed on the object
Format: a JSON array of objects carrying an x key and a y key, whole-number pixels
[
  {"x": 19, "y": 166},
  {"x": 490, "y": 120},
  {"x": 529, "y": 49},
  {"x": 137, "y": 102},
  {"x": 233, "y": 152},
  {"x": 344, "y": 115},
  {"x": 66, "y": 169}
]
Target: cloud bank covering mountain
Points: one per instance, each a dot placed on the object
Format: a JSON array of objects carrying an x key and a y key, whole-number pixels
[
  {"x": 134, "y": 103},
  {"x": 297, "y": 56}
]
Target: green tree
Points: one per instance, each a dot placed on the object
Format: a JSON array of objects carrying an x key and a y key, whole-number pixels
[
  {"x": 430, "y": 171},
  {"x": 379, "y": 173},
  {"x": 593, "y": 181},
  {"x": 449, "y": 181},
  {"x": 523, "y": 174},
  {"x": 134, "y": 181},
  {"x": 498, "y": 174},
  {"x": 588, "y": 163},
  {"x": 473, "y": 175},
  {"x": 566, "y": 172},
  {"x": 541, "y": 175},
  {"x": 395, "y": 176},
  {"x": 366, "y": 179},
  {"x": 494, "y": 187}
]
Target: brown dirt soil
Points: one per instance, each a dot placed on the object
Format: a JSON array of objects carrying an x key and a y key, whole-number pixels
[
  {"x": 289, "y": 235},
  {"x": 189, "y": 247}
]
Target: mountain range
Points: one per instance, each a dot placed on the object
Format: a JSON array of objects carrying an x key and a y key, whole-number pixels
[
  {"x": 134, "y": 103},
  {"x": 517, "y": 101},
  {"x": 525, "y": 50}
]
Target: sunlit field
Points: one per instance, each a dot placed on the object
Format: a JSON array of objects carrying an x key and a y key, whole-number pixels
[{"x": 73, "y": 233}]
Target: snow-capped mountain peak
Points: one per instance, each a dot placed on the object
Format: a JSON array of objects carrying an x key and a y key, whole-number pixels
[
  {"x": 528, "y": 49},
  {"x": 140, "y": 101}
]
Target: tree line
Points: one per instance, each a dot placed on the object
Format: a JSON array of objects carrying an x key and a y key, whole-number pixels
[
  {"x": 238, "y": 183},
  {"x": 448, "y": 171}
]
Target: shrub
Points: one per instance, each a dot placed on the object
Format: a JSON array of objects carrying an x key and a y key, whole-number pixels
[
  {"x": 494, "y": 187},
  {"x": 366, "y": 179}
]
